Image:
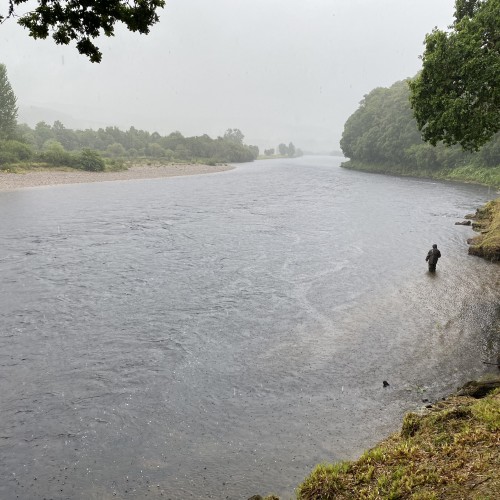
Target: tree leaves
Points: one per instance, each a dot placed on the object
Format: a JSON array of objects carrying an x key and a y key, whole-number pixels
[
  {"x": 83, "y": 21},
  {"x": 8, "y": 106},
  {"x": 456, "y": 97}
]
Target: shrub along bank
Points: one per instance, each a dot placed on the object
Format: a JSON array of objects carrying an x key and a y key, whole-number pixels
[
  {"x": 112, "y": 149},
  {"x": 467, "y": 173}
]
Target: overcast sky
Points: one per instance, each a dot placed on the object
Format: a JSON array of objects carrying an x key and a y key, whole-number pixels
[{"x": 279, "y": 70}]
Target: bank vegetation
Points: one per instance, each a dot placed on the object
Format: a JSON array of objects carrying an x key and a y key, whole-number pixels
[
  {"x": 382, "y": 136},
  {"x": 452, "y": 450}
]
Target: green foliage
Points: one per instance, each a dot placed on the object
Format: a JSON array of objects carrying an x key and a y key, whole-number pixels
[
  {"x": 114, "y": 164},
  {"x": 289, "y": 150},
  {"x": 234, "y": 135},
  {"x": 55, "y": 154},
  {"x": 469, "y": 173},
  {"x": 58, "y": 146},
  {"x": 116, "y": 150},
  {"x": 325, "y": 482},
  {"x": 456, "y": 97},
  {"x": 90, "y": 160},
  {"x": 155, "y": 151},
  {"x": 61, "y": 147},
  {"x": 14, "y": 151},
  {"x": 255, "y": 151},
  {"x": 382, "y": 135},
  {"x": 83, "y": 21},
  {"x": 8, "y": 106},
  {"x": 115, "y": 143},
  {"x": 43, "y": 133},
  {"x": 382, "y": 128}
]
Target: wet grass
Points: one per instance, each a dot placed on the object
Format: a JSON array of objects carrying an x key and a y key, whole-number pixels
[
  {"x": 470, "y": 173},
  {"x": 487, "y": 222},
  {"x": 453, "y": 451}
]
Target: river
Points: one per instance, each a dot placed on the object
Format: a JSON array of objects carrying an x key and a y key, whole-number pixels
[{"x": 216, "y": 336}]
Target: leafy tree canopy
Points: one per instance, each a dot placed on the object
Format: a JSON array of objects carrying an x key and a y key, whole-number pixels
[
  {"x": 83, "y": 21},
  {"x": 456, "y": 97},
  {"x": 234, "y": 135},
  {"x": 8, "y": 105},
  {"x": 383, "y": 131}
]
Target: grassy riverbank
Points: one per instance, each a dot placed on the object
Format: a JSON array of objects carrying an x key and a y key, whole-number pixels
[
  {"x": 487, "y": 223},
  {"x": 476, "y": 175},
  {"x": 451, "y": 451}
]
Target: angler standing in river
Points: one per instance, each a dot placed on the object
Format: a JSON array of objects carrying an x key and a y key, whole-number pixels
[{"x": 432, "y": 257}]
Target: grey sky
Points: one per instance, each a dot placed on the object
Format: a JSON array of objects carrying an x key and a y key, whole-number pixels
[{"x": 280, "y": 70}]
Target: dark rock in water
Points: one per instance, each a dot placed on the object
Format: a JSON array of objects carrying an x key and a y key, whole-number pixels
[
  {"x": 385, "y": 383},
  {"x": 463, "y": 223},
  {"x": 478, "y": 389}
]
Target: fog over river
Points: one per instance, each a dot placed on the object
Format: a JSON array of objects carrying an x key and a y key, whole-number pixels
[{"x": 217, "y": 336}]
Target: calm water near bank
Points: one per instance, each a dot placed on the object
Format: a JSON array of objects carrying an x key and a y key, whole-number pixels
[{"x": 216, "y": 336}]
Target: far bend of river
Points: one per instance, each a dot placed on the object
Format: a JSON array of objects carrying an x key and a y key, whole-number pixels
[{"x": 216, "y": 336}]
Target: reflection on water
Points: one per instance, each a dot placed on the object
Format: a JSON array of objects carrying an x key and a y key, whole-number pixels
[{"x": 217, "y": 336}]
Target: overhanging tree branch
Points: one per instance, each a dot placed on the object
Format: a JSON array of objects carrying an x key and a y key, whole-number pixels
[
  {"x": 84, "y": 20},
  {"x": 456, "y": 96}
]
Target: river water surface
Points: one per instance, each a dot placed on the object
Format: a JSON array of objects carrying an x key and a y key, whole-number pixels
[{"x": 217, "y": 336}]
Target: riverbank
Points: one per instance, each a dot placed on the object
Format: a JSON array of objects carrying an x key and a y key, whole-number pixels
[
  {"x": 476, "y": 175},
  {"x": 450, "y": 450},
  {"x": 487, "y": 223},
  {"x": 51, "y": 177}
]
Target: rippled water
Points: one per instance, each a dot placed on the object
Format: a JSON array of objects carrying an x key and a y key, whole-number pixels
[{"x": 217, "y": 336}]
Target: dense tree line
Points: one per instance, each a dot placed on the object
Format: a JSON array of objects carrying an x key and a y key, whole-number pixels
[
  {"x": 57, "y": 145},
  {"x": 384, "y": 131}
]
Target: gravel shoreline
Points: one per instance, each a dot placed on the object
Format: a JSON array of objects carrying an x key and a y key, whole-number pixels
[{"x": 10, "y": 181}]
